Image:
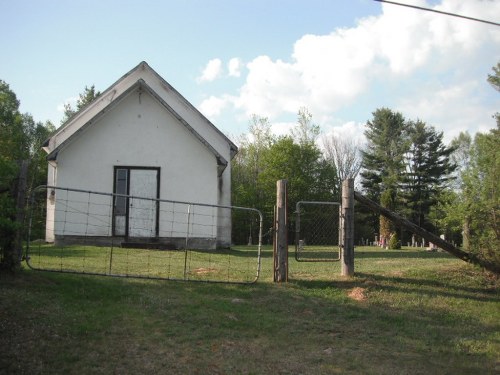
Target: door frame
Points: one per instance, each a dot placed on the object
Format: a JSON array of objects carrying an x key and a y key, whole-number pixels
[{"x": 127, "y": 206}]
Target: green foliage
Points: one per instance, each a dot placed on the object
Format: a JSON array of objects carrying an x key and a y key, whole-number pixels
[
  {"x": 10, "y": 137},
  {"x": 473, "y": 208},
  {"x": 494, "y": 80},
  {"x": 264, "y": 159},
  {"x": 306, "y": 131},
  {"x": 383, "y": 156},
  {"x": 88, "y": 95},
  {"x": 394, "y": 243},
  {"x": 481, "y": 195},
  {"x": 387, "y": 227},
  {"x": 20, "y": 140},
  {"x": 428, "y": 169},
  {"x": 406, "y": 166}
]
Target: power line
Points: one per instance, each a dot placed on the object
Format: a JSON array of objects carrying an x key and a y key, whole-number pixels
[{"x": 439, "y": 11}]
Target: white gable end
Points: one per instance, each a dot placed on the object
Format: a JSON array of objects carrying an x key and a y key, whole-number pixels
[
  {"x": 143, "y": 128},
  {"x": 200, "y": 126}
]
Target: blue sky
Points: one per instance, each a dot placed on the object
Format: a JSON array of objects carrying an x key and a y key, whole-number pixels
[{"x": 341, "y": 59}]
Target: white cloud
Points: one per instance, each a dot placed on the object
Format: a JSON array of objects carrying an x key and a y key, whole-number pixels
[
  {"x": 212, "y": 71},
  {"x": 450, "y": 109},
  {"x": 348, "y": 130},
  {"x": 282, "y": 128},
  {"x": 213, "y": 106},
  {"x": 271, "y": 87},
  {"x": 234, "y": 67},
  {"x": 378, "y": 60}
]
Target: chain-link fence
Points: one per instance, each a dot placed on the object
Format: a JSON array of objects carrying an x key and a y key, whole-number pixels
[
  {"x": 81, "y": 231},
  {"x": 317, "y": 231}
]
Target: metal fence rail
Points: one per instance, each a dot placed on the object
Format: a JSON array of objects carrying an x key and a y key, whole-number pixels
[
  {"x": 81, "y": 231},
  {"x": 317, "y": 231}
]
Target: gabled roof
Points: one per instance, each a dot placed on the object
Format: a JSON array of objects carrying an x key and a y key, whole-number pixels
[{"x": 144, "y": 77}]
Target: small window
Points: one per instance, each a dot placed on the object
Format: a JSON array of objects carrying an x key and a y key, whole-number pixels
[{"x": 121, "y": 188}]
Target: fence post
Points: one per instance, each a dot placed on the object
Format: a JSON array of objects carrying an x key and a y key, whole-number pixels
[
  {"x": 347, "y": 227},
  {"x": 20, "y": 209},
  {"x": 280, "y": 243}
]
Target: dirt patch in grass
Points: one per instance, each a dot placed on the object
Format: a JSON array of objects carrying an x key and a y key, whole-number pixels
[
  {"x": 357, "y": 294},
  {"x": 203, "y": 271},
  {"x": 435, "y": 318}
]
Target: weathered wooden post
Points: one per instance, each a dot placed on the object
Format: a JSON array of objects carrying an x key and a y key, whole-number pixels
[
  {"x": 347, "y": 227},
  {"x": 20, "y": 211},
  {"x": 13, "y": 245},
  {"x": 280, "y": 243}
]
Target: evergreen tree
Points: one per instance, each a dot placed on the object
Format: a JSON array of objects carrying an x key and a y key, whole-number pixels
[
  {"x": 88, "y": 95},
  {"x": 405, "y": 168},
  {"x": 428, "y": 169},
  {"x": 383, "y": 162}
]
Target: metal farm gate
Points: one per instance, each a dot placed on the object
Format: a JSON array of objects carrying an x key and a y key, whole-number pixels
[
  {"x": 317, "y": 231},
  {"x": 81, "y": 231}
]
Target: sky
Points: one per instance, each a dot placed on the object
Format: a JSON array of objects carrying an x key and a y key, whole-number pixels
[{"x": 339, "y": 59}]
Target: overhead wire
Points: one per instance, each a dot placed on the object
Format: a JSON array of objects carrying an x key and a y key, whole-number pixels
[{"x": 439, "y": 11}]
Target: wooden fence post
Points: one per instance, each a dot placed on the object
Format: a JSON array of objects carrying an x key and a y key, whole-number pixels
[
  {"x": 280, "y": 243},
  {"x": 347, "y": 227},
  {"x": 20, "y": 211},
  {"x": 13, "y": 242}
]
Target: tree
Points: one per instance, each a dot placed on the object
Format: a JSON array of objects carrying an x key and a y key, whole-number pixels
[
  {"x": 247, "y": 164},
  {"x": 298, "y": 159},
  {"x": 88, "y": 95},
  {"x": 245, "y": 171},
  {"x": 428, "y": 169},
  {"x": 305, "y": 132},
  {"x": 406, "y": 167},
  {"x": 456, "y": 218},
  {"x": 460, "y": 156},
  {"x": 494, "y": 80},
  {"x": 309, "y": 177},
  {"x": 20, "y": 144},
  {"x": 344, "y": 154},
  {"x": 474, "y": 208},
  {"x": 11, "y": 140},
  {"x": 263, "y": 159},
  {"x": 383, "y": 162}
]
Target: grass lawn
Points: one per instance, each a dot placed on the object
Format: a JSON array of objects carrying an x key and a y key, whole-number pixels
[
  {"x": 236, "y": 265},
  {"x": 405, "y": 312}
]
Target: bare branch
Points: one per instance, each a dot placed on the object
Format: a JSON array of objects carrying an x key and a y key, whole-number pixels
[{"x": 344, "y": 153}]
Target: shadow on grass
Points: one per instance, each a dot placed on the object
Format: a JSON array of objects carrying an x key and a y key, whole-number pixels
[
  {"x": 417, "y": 285},
  {"x": 81, "y": 250},
  {"x": 77, "y": 323},
  {"x": 394, "y": 254}
]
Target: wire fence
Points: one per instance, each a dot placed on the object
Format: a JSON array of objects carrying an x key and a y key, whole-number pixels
[
  {"x": 81, "y": 231},
  {"x": 317, "y": 231}
]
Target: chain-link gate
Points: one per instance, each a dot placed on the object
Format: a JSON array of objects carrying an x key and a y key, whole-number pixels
[
  {"x": 81, "y": 231},
  {"x": 317, "y": 231}
]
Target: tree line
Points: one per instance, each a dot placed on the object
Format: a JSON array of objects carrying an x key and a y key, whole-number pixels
[
  {"x": 404, "y": 165},
  {"x": 23, "y": 162}
]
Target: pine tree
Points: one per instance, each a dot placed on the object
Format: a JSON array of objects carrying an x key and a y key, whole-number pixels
[
  {"x": 428, "y": 169},
  {"x": 383, "y": 162},
  {"x": 88, "y": 95}
]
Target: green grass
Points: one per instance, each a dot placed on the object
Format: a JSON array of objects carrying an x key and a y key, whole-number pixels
[
  {"x": 237, "y": 265},
  {"x": 405, "y": 312}
]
